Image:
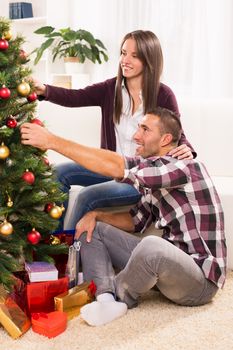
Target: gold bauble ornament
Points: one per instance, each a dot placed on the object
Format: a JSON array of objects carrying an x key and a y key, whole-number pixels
[
  {"x": 56, "y": 212},
  {"x": 9, "y": 203},
  {"x": 23, "y": 89},
  {"x": 6, "y": 228},
  {"x": 54, "y": 240},
  {"x": 4, "y": 151},
  {"x": 7, "y": 35}
]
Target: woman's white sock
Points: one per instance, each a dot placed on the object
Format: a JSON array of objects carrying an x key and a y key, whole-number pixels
[{"x": 102, "y": 311}]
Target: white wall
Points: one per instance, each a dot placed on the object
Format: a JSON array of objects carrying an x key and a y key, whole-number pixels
[
  {"x": 81, "y": 125},
  {"x": 196, "y": 38}
]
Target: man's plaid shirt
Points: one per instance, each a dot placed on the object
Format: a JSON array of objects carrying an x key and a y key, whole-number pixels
[{"x": 179, "y": 196}]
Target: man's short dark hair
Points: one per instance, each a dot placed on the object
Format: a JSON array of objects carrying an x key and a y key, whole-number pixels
[{"x": 169, "y": 122}]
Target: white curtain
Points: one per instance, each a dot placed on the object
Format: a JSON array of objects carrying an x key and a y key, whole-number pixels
[{"x": 196, "y": 37}]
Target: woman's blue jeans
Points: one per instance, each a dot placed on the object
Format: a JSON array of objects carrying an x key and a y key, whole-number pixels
[{"x": 99, "y": 191}]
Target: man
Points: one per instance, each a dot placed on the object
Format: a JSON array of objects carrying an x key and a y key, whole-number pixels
[{"x": 188, "y": 263}]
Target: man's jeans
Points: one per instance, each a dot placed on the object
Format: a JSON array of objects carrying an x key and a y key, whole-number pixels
[
  {"x": 143, "y": 263},
  {"x": 101, "y": 192}
]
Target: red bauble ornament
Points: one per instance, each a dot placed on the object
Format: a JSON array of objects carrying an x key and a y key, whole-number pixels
[
  {"x": 32, "y": 97},
  {"x": 46, "y": 161},
  {"x": 33, "y": 236},
  {"x": 37, "y": 121},
  {"x": 28, "y": 177},
  {"x": 48, "y": 207},
  {"x": 11, "y": 122},
  {"x": 3, "y": 44},
  {"x": 5, "y": 92},
  {"x": 22, "y": 56}
]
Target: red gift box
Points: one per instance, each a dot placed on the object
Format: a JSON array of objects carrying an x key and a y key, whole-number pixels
[
  {"x": 18, "y": 294},
  {"x": 66, "y": 236},
  {"x": 50, "y": 324},
  {"x": 40, "y": 295},
  {"x": 60, "y": 260}
]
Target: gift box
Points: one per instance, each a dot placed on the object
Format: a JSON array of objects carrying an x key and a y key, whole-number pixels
[
  {"x": 72, "y": 300},
  {"x": 49, "y": 324},
  {"x": 13, "y": 319},
  {"x": 40, "y": 295},
  {"x": 18, "y": 293},
  {"x": 65, "y": 236},
  {"x": 60, "y": 260},
  {"x": 40, "y": 271}
]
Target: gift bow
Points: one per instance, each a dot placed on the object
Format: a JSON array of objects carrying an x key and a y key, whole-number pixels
[
  {"x": 37, "y": 315},
  {"x": 92, "y": 288}
]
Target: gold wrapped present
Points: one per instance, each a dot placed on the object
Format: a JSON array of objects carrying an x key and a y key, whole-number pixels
[
  {"x": 13, "y": 319},
  {"x": 72, "y": 300}
]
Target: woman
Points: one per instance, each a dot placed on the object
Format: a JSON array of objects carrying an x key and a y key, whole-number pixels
[{"x": 123, "y": 101}]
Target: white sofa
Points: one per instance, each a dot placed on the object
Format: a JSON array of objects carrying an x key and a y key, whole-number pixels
[{"x": 208, "y": 125}]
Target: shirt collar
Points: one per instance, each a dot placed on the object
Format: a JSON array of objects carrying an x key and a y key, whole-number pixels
[{"x": 123, "y": 86}]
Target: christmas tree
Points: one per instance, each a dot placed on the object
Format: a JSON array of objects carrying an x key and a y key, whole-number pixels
[{"x": 28, "y": 188}]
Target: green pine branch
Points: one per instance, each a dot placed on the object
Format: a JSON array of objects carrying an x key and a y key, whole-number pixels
[{"x": 22, "y": 204}]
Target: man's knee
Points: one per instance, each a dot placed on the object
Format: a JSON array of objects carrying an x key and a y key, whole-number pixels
[
  {"x": 150, "y": 246},
  {"x": 83, "y": 238},
  {"x": 96, "y": 234}
]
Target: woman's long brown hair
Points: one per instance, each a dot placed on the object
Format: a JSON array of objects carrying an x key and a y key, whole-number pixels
[{"x": 150, "y": 53}]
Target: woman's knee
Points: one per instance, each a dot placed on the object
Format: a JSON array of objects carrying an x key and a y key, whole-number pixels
[
  {"x": 87, "y": 196},
  {"x": 61, "y": 170},
  {"x": 61, "y": 174}
]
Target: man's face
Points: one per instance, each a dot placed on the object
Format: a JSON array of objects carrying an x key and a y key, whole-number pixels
[{"x": 148, "y": 137}]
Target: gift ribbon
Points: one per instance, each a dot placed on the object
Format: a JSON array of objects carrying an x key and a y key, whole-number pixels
[
  {"x": 37, "y": 315},
  {"x": 92, "y": 288}
]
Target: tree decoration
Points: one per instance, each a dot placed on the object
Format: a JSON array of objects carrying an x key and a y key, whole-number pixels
[
  {"x": 22, "y": 199},
  {"x": 6, "y": 228},
  {"x": 9, "y": 162},
  {"x": 34, "y": 236},
  {"x": 46, "y": 161},
  {"x": 48, "y": 207},
  {"x": 23, "y": 89},
  {"x": 28, "y": 177},
  {"x": 7, "y": 35},
  {"x": 11, "y": 122},
  {"x": 4, "y": 151},
  {"x": 22, "y": 56},
  {"x": 9, "y": 202},
  {"x": 4, "y": 92},
  {"x": 32, "y": 97},
  {"x": 37, "y": 121},
  {"x": 3, "y": 44},
  {"x": 56, "y": 212},
  {"x": 53, "y": 240}
]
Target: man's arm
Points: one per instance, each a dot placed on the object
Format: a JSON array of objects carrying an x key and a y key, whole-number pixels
[
  {"x": 123, "y": 221},
  {"x": 101, "y": 161}
]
